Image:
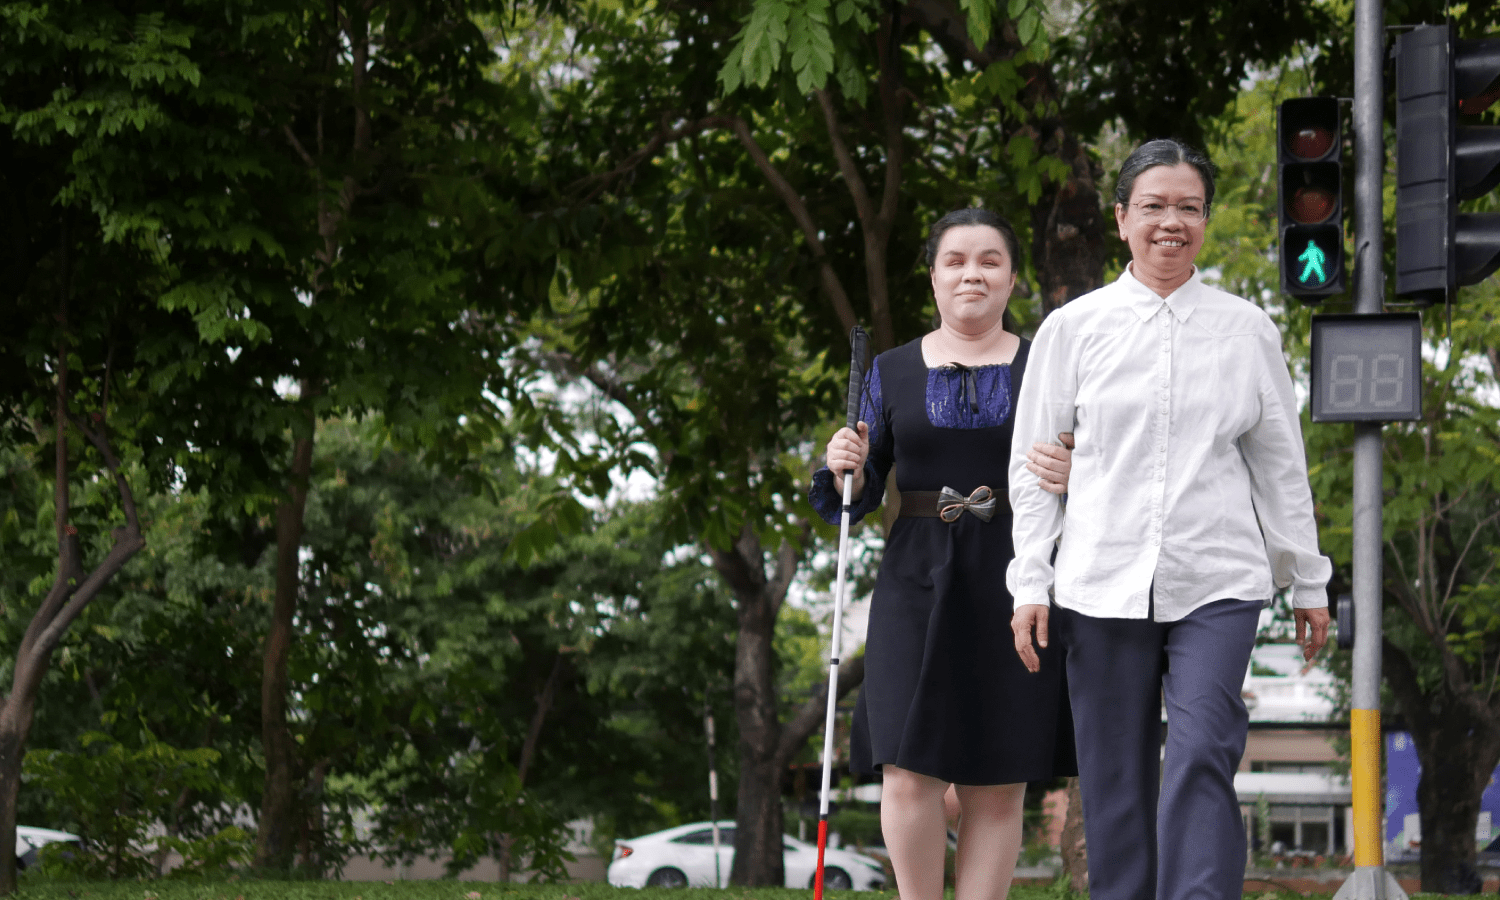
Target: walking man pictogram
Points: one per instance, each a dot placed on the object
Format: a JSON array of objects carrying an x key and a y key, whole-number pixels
[{"x": 1312, "y": 258}]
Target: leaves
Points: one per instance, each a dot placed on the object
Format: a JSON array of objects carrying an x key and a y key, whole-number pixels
[
  {"x": 800, "y": 35},
  {"x": 758, "y": 50}
]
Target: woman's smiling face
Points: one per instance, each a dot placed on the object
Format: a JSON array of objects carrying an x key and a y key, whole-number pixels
[
  {"x": 1163, "y": 252},
  {"x": 972, "y": 278}
]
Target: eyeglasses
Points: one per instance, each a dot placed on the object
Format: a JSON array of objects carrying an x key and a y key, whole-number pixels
[{"x": 1191, "y": 212}]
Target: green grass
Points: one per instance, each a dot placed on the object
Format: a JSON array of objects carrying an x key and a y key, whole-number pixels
[
  {"x": 407, "y": 890},
  {"x": 459, "y": 890}
]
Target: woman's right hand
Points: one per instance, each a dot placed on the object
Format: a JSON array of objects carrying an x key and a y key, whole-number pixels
[{"x": 847, "y": 451}]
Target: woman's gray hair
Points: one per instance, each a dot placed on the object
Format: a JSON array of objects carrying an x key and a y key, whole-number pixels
[
  {"x": 1165, "y": 152},
  {"x": 975, "y": 215}
]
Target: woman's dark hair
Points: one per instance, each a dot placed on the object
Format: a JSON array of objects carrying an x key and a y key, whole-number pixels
[
  {"x": 974, "y": 216},
  {"x": 1165, "y": 152}
]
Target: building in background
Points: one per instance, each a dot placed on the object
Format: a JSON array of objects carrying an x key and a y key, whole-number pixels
[{"x": 1293, "y": 790}]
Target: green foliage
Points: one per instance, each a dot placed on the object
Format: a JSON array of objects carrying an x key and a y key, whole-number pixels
[
  {"x": 860, "y": 827},
  {"x": 801, "y": 654},
  {"x": 795, "y": 33},
  {"x": 817, "y": 39},
  {"x": 111, "y": 795},
  {"x": 214, "y": 856},
  {"x": 416, "y": 668},
  {"x": 1168, "y": 72},
  {"x": 420, "y": 613}
]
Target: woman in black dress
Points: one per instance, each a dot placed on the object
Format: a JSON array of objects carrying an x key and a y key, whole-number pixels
[{"x": 943, "y": 701}]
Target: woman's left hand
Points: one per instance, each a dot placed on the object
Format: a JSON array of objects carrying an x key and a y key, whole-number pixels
[{"x": 1052, "y": 463}]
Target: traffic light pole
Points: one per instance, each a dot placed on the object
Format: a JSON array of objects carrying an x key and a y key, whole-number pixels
[{"x": 1370, "y": 880}]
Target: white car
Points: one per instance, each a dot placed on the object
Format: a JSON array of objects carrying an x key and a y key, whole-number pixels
[
  {"x": 684, "y": 856},
  {"x": 30, "y": 840}
]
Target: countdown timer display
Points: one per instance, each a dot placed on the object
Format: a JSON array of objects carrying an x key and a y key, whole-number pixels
[{"x": 1367, "y": 368}]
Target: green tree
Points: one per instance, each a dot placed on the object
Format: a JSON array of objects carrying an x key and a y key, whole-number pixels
[
  {"x": 301, "y": 192},
  {"x": 462, "y": 702}
]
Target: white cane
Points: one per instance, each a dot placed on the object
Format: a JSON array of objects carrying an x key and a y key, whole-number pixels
[{"x": 858, "y": 342}]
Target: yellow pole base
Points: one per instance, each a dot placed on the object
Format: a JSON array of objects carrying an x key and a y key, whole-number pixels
[{"x": 1364, "y": 770}]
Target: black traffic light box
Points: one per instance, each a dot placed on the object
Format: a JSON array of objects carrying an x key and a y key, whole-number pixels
[
  {"x": 1440, "y": 162},
  {"x": 1310, "y": 206}
]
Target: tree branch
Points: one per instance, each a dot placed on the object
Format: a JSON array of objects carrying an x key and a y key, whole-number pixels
[
  {"x": 564, "y": 362},
  {"x": 534, "y": 730},
  {"x": 291, "y": 137},
  {"x": 1458, "y": 562},
  {"x": 662, "y": 138},
  {"x": 891, "y": 106},
  {"x": 740, "y": 565},
  {"x": 128, "y": 540},
  {"x": 788, "y": 557},
  {"x": 794, "y": 204},
  {"x": 805, "y": 721},
  {"x": 100, "y": 440},
  {"x": 845, "y": 160},
  {"x": 1401, "y": 674}
]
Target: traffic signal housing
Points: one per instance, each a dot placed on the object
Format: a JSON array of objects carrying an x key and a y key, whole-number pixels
[
  {"x": 1439, "y": 162},
  {"x": 1310, "y": 205}
]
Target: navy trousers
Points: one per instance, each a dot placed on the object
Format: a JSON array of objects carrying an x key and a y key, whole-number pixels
[{"x": 1181, "y": 839}]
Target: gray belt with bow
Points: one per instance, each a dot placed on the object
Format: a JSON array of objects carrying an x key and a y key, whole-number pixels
[{"x": 948, "y": 504}]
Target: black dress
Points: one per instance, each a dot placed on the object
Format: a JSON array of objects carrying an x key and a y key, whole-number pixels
[{"x": 944, "y": 693}]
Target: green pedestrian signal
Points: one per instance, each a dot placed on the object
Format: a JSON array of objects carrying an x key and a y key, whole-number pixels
[
  {"x": 1310, "y": 207},
  {"x": 1312, "y": 265},
  {"x": 1313, "y": 261}
]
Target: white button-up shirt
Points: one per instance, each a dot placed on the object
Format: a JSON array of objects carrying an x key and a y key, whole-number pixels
[{"x": 1189, "y": 472}]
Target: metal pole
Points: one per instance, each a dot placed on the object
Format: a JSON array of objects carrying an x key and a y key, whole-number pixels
[
  {"x": 1370, "y": 880},
  {"x": 713, "y": 791}
]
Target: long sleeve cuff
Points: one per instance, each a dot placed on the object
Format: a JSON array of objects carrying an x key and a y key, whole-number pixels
[
  {"x": 1309, "y": 597},
  {"x": 1028, "y": 595},
  {"x": 829, "y": 502}
]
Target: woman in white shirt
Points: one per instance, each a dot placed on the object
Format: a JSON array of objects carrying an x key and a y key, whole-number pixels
[{"x": 1188, "y": 508}]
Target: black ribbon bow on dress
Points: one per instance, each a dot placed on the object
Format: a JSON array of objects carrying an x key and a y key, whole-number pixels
[
  {"x": 968, "y": 383},
  {"x": 952, "y": 504}
]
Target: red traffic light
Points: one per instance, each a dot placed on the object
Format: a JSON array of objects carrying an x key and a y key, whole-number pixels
[
  {"x": 1310, "y": 192},
  {"x": 1310, "y": 142},
  {"x": 1311, "y": 205}
]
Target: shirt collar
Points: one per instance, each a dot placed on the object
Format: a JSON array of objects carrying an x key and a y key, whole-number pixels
[{"x": 1145, "y": 302}]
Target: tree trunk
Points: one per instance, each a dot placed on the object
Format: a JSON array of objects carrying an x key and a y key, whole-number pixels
[
  {"x": 275, "y": 843},
  {"x": 1068, "y": 228},
  {"x": 766, "y": 747},
  {"x": 1458, "y": 758},
  {"x": 1449, "y": 813},
  {"x": 528, "y": 753},
  {"x": 1458, "y": 746},
  {"x": 71, "y": 591},
  {"x": 1075, "y": 857},
  {"x": 280, "y": 817},
  {"x": 313, "y": 841},
  {"x": 757, "y": 837},
  {"x": 15, "y": 722}
]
